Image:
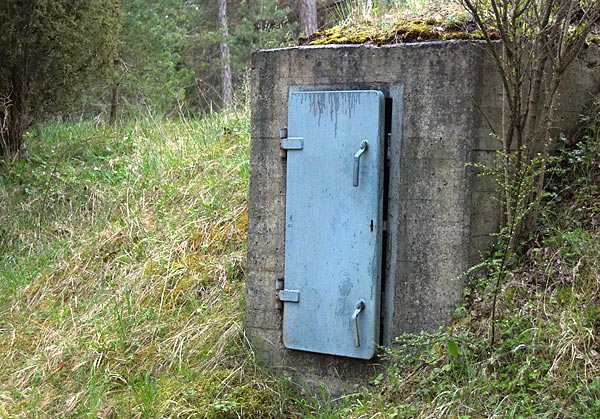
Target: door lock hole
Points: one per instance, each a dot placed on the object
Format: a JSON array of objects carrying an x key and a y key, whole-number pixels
[{"x": 371, "y": 225}]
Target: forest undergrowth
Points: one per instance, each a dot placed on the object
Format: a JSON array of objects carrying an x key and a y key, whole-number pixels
[{"x": 122, "y": 267}]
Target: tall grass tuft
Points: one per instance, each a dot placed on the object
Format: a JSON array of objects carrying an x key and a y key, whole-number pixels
[
  {"x": 387, "y": 12},
  {"x": 122, "y": 271}
]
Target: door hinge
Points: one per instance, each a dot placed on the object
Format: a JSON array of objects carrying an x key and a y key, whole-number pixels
[
  {"x": 292, "y": 143},
  {"x": 289, "y": 296}
]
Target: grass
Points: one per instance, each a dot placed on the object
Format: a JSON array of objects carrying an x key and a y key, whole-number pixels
[
  {"x": 388, "y": 22},
  {"x": 382, "y": 22},
  {"x": 382, "y": 12},
  {"x": 122, "y": 273}
]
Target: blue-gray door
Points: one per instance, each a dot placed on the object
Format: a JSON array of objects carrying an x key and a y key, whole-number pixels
[{"x": 333, "y": 222}]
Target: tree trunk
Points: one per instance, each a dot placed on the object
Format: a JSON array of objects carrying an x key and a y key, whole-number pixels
[
  {"x": 14, "y": 113},
  {"x": 227, "y": 89},
  {"x": 114, "y": 100},
  {"x": 114, "y": 105},
  {"x": 5, "y": 141},
  {"x": 14, "y": 107},
  {"x": 308, "y": 16}
]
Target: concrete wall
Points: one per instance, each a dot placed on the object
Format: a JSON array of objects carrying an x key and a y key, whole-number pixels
[{"x": 447, "y": 99}]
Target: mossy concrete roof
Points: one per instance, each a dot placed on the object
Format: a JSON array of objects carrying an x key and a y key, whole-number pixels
[{"x": 404, "y": 31}]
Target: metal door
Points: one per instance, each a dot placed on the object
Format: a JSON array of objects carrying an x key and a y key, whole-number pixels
[{"x": 333, "y": 222}]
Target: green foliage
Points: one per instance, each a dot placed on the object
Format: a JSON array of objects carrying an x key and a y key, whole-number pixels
[
  {"x": 153, "y": 71},
  {"x": 539, "y": 42},
  {"x": 573, "y": 187},
  {"x": 389, "y": 22},
  {"x": 60, "y": 48},
  {"x": 411, "y": 30},
  {"x": 169, "y": 52},
  {"x": 262, "y": 24},
  {"x": 163, "y": 55},
  {"x": 499, "y": 264},
  {"x": 253, "y": 24}
]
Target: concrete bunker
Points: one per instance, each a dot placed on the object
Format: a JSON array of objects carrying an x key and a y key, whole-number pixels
[{"x": 425, "y": 110}]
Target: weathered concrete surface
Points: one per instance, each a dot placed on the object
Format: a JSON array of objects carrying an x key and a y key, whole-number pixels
[{"x": 440, "y": 214}]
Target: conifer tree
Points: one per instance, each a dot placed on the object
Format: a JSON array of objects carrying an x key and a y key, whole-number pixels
[{"x": 51, "y": 50}]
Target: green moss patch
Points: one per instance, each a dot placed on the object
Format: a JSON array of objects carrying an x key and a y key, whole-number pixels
[
  {"x": 402, "y": 31},
  {"x": 594, "y": 40}
]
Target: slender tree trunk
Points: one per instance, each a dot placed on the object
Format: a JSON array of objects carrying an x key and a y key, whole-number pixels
[
  {"x": 308, "y": 16},
  {"x": 14, "y": 107},
  {"x": 114, "y": 100},
  {"x": 15, "y": 116},
  {"x": 5, "y": 141},
  {"x": 114, "y": 105},
  {"x": 227, "y": 89}
]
